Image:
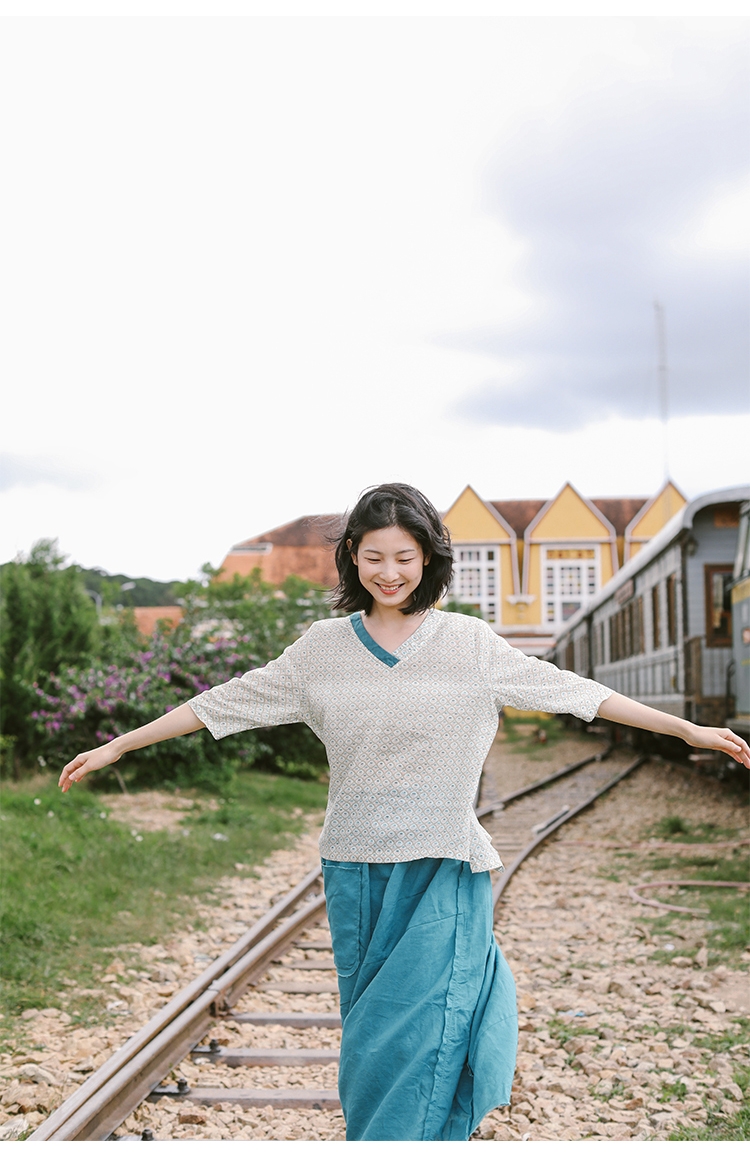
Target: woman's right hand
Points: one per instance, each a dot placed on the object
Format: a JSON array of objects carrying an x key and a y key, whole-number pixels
[{"x": 87, "y": 762}]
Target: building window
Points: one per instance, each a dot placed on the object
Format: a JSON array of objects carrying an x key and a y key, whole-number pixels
[
  {"x": 718, "y": 607},
  {"x": 471, "y": 583},
  {"x": 570, "y": 580},
  {"x": 569, "y": 575},
  {"x": 672, "y": 609},
  {"x": 476, "y": 580},
  {"x": 655, "y": 618}
]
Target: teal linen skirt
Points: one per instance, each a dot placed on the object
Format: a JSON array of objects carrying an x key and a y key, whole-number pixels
[{"x": 428, "y": 1003}]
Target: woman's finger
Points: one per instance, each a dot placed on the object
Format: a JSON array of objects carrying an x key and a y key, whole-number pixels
[{"x": 73, "y": 772}]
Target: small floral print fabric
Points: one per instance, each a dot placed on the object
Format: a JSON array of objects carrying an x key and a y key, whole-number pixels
[{"x": 405, "y": 742}]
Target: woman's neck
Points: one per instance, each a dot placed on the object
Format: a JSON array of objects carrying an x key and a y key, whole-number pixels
[{"x": 389, "y": 627}]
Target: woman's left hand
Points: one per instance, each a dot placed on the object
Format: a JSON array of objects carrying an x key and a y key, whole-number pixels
[{"x": 721, "y": 739}]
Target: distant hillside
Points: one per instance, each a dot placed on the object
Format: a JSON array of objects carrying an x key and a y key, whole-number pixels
[{"x": 141, "y": 591}]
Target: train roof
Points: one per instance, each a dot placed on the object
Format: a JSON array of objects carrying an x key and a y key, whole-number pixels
[{"x": 671, "y": 531}]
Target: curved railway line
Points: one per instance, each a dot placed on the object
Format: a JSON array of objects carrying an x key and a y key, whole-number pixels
[{"x": 256, "y": 971}]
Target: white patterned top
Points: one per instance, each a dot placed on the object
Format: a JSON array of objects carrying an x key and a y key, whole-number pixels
[{"x": 406, "y": 732}]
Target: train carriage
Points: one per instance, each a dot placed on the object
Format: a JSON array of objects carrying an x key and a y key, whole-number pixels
[{"x": 661, "y": 630}]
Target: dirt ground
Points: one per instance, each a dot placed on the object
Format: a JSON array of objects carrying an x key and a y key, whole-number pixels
[{"x": 598, "y": 1055}]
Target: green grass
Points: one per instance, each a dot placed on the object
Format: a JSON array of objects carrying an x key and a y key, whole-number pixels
[
  {"x": 74, "y": 883},
  {"x": 726, "y": 926},
  {"x": 719, "y": 1043},
  {"x": 719, "y": 1125},
  {"x": 562, "y": 1032},
  {"x": 683, "y": 832},
  {"x": 525, "y": 743}
]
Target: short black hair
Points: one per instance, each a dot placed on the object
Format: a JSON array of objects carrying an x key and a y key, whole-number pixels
[{"x": 383, "y": 507}]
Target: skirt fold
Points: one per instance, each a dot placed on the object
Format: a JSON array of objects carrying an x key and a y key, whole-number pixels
[{"x": 429, "y": 1025}]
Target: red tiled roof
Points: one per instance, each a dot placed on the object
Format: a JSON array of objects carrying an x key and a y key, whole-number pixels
[
  {"x": 620, "y": 511},
  {"x": 316, "y": 530},
  {"x": 518, "y": 514},
  {"x": 311, "y": 531}
]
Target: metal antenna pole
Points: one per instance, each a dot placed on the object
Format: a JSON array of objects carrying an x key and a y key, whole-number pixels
[{"x": 661, "y": 344}]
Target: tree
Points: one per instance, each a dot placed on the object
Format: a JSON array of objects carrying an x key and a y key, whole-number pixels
[
  {"x": 229, "y": 628},
  {"x": 47, "y": 621},
  {"x": 261, "y": 619}
]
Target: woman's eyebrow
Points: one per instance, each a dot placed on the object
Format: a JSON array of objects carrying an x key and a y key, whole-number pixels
[{"x": 398, "y": 553}]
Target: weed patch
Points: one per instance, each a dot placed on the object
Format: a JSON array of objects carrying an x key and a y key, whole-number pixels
[
  {"x": 532, "y": 736},
  {"x": 725, "y": 926}
]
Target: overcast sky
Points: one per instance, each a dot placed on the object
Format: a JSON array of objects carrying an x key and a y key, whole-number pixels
[{"x": 253, "y": 263}]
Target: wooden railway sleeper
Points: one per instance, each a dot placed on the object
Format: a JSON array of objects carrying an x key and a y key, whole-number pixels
[{"x": 135, "y": 1072}]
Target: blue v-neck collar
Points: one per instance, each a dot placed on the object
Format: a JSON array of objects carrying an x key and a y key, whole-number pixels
[{"x": 368, "y": 641}]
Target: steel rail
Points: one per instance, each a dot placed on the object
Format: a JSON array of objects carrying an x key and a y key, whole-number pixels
[
  {"x": 105, "y": 1110},
  {"x": 133, "y": 1073},
  {"x": 499, "y": 805},
  {"x": 634, "y": 893},
  {"x": 66, "y": 1117},
  {"x": 502, "y": 881}
]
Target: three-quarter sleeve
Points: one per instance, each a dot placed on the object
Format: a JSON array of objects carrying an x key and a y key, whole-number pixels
[
  {"x": 529, "y": 684},
  {"x": 266, "y": 697}
]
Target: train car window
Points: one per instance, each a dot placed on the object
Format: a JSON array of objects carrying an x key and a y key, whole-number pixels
[
  {"x": 638, "y": 643},
  {"x": 718, "y": 605},
  {"x": 672, "y": 609},
  {"x": 655, "y": 618},
  {"x": 627, "y": 631},
  {"x": 615, "y": 640}
]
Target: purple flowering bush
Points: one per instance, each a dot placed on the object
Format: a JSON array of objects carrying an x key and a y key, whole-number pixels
[
  {"x": 229, "y": 627},
  {"x": 84, "y": 706}
]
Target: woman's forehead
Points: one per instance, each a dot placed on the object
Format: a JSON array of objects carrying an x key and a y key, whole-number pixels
[{"x": 393, "y": 539}]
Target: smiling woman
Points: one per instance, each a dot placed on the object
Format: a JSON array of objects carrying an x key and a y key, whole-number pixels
[{"x": 406, "y": 698}]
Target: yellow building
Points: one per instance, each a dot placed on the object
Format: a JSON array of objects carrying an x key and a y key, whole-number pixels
[
  {"x": 528, "y": 566},
  {"x": 525, "y": 565}
]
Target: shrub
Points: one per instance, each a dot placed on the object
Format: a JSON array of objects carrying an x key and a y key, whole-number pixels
[
  {"x": 83, "y": 707},
  {"x": 47, "y": 621},
  {"x": 229, "y": 628}
]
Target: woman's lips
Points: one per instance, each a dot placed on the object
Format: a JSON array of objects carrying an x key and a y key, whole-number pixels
[{"x": 388, "y": 589}]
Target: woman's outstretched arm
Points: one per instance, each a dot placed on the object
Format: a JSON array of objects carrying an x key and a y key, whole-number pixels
[
  {"x": 619, "y": 709},
  {"x": 181, "y": 721}
]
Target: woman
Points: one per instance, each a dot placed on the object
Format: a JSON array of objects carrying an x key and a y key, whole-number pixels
[{"x": 406, "y": 698}]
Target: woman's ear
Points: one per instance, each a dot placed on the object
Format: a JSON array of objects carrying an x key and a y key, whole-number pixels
[{"x": 349, "y": 547}]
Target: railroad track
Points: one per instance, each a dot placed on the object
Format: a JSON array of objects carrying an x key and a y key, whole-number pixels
[
  {"x": 524, "y": 819},
  {"x": 245, "y": 984}
]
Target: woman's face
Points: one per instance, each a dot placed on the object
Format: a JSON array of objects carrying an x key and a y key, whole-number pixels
[{"x": 390, "y": 564}]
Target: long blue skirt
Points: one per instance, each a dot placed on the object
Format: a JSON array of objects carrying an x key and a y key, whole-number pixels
[{"x": 428, "y": 1003}]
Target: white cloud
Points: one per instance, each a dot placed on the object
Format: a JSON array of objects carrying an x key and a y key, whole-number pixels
[{"x": 232, "y": 243}]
